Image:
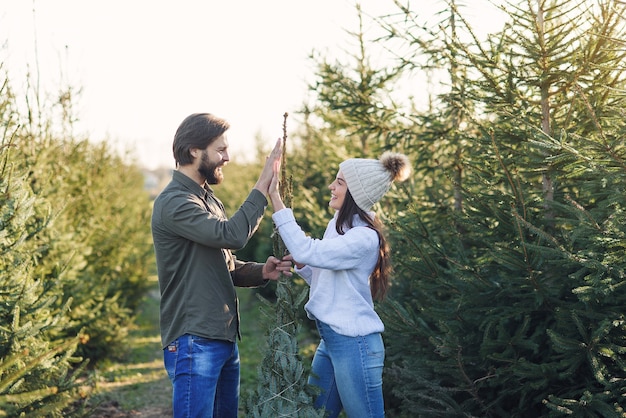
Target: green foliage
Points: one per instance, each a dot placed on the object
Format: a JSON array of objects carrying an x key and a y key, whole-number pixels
[
  {"x": 509, "y": 240},
  {"x": 510, "y": 286},
  {"x": 75, "y": 252},
  {"x": 239, "y": 180},
  {"x": 99, "y": 239},
  {"x": 36, "y": 374},
  {"x": 282, "y": 388}
]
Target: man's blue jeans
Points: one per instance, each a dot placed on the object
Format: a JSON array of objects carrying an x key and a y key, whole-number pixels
[
  {"x": 349, "y": 371},
  {"x": 205, "y": 377}
]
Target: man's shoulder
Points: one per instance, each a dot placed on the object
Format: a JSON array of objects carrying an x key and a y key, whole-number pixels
[
  {"x": 173, "y": 193},
  {"x": 168, "y": 191}
]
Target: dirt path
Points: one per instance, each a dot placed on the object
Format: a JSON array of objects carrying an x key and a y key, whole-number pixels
[
  {"x": 115, "y": 411},
  {"x": 138, "y": 386}
]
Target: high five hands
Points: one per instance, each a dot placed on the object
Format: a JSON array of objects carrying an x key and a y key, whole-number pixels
[{"x": 273, "y": 159}]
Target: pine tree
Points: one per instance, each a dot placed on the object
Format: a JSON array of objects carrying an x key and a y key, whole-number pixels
[
  {"x": 69, "y": 280},
  {"x": 513, "y": 306},
  {"x": 282, "y": 389},
  {"x": 38, "y": 372}
]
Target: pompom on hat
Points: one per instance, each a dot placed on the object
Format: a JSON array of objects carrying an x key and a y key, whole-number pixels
[{"x": 368, "y": 180}]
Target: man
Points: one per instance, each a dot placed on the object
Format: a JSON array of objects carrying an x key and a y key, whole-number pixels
[{"x": 193, "y": 239}]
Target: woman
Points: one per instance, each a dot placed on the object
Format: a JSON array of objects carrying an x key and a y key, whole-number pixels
[{"x": 346, "y": 270}]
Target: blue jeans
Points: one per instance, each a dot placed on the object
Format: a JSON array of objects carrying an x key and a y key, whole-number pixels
[
  {"x": 204, "y": 375},
  {"x": 349, "y": 372}
]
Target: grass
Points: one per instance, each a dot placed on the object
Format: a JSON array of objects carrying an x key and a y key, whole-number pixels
[
  {"x": 138, "y": 386},
  {"x": 253, "y": 339}
]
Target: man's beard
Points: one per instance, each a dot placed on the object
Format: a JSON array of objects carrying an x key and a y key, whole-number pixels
[{"x": 210, "y": 171}]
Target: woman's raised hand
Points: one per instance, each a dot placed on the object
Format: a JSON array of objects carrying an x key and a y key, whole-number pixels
[
  {"x": 265, "y": 178},
  {"x": 274, "y": 188}
]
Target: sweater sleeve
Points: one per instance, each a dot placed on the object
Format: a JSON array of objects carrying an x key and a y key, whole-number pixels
[
  {"x": 305, "y": 272},
  {"x": 339, "y": 253}
]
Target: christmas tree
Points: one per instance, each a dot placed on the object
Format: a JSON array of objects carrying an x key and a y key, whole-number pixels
[{"x": 282, "y": 389}]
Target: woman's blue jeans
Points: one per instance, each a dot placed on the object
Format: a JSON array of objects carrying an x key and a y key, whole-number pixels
[
  {"x": 204, "y": 375},
  {"x": 349, "y": 372}
]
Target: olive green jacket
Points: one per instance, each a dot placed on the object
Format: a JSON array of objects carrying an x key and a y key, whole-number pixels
[{"x": 197, "y": 272}]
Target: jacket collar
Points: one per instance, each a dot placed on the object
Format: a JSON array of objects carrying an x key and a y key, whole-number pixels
[{"x": 190, "y": 184}]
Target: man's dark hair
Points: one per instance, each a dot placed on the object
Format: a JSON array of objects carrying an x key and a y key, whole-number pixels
[{"x": 196, "y": 131}]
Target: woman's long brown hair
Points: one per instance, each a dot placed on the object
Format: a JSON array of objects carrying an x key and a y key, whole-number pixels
[{"x": 379, "y": 279}]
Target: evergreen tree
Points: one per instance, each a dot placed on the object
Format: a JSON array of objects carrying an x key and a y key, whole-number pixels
[
  {"x": 282, "y": 389},
  {"x": 512, "y": 303},
  {"x": 352, "y": 112},
  {"x": 74, "y": 257},
  {"x": 38, "y": 371}
]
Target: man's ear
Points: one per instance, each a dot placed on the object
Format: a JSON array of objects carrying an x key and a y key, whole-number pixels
[{"x": 194, "y": 152}]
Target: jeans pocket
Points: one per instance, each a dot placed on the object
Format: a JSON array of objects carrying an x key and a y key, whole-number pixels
[
  {"x": 374, "y": 346},
  {"x": 170, "y": 357}
]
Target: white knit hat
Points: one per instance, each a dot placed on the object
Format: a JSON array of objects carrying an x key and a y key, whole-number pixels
[{"x": 368, "y": 180}]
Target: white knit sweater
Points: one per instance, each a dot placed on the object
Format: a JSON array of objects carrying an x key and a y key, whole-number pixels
[{"x": 337, "y": 269}]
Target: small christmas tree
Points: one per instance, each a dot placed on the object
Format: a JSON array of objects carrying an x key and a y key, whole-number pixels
[{"x": 282, "y": 389}]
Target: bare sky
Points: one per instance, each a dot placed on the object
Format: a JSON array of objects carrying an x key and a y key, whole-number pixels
[{"x": 143, "y": 65}]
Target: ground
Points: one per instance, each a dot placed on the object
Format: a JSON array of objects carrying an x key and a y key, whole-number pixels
[
  {"x": 138, "y": 386},
  {"x": 113, "y": 410}
]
